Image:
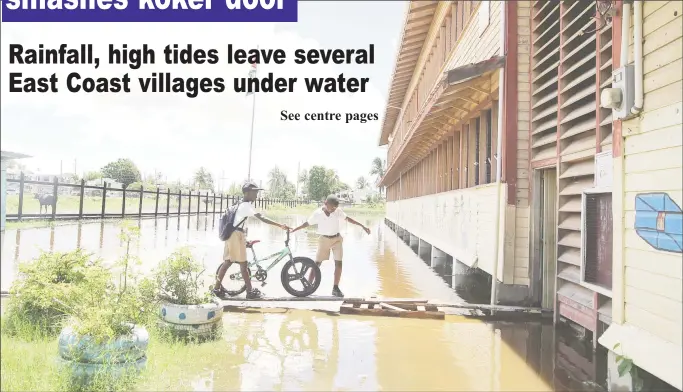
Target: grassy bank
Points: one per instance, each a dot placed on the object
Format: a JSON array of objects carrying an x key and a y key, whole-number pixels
[
  {"x": 275, "y": 210},
  {"x": 32, "y": 366},
  {"x": 362, "y": 209}
]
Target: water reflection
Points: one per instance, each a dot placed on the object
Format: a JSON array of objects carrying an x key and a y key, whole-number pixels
[{"x": 309, "y": 351}]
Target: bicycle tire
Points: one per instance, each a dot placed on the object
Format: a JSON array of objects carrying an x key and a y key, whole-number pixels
[
  {"x": 316, "y": 277},
  {"x": 233, "y": 293}
]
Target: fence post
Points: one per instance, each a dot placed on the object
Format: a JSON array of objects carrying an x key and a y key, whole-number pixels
[
  {"x": 142, "y": 193},
  {"x": 180, "y": 199},
  {"x": 21, "y": 196},
  {"x": 206, "y": 205},
  {"x": 156, "y": 204},
  {"x": 123, "y": 205},
  {"x": 80, "y": 204},
  {"x": 168, "y": 202},
  {"x": 214, "y": 204},
  {"x": 189, "y": 204},
  {"x": 221, "y": 209},
  {"x": 104, "y": 198},
  {"x": 199, "y": 201},
  {"x": 55, "y": 191}
]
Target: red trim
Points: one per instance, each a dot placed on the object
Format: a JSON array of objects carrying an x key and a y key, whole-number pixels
[
  {"x": 510, "y": 113},
  {"x": 598, "y": 109},
  {"x": 550, "y": 162},
  {"x": 617, "y": 139}
]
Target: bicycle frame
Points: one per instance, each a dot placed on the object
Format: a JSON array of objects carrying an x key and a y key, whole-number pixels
[{"x": 279, "y": 256}]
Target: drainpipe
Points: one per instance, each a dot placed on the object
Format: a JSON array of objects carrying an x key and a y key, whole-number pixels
[
  {"x": 637, "y": 55},
  {"x": 499, "y": 161}
]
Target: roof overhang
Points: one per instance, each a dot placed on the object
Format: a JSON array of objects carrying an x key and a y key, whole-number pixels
[
  {"x": 461, "y": 93},
  {"x": 7, "y": 155},
  {"x": 416, "y": 28}
]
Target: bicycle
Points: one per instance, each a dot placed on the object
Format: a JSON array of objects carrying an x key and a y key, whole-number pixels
[{"x": 286, "y": 277}]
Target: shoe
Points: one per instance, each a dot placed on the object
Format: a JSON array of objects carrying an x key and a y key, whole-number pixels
[
  {"x": 219, "y": 292},
  {"x": 337, "y": 293},
  {"x": 254, "y": 294}
]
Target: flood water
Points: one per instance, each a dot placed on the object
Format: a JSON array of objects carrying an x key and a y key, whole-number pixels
[{"x": 303, "y": 350}]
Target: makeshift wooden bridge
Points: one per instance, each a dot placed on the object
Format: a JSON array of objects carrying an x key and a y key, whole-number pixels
[{"x": 388, "y": 307}]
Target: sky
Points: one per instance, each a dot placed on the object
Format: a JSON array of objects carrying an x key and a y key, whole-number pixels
[{"x": 175, "y": 135}]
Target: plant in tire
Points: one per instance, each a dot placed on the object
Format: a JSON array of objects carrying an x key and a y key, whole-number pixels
[
  {"x": 106, "y": 333},
  {"x": 187, "y": 308}
]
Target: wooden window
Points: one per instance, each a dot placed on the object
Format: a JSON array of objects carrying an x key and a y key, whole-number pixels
[{"x": 597, "y": 239}]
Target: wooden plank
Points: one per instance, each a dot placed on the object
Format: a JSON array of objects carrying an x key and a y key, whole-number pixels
[
  {"x": 391, "y": 307},
  {"x": 392, "y": 313}
]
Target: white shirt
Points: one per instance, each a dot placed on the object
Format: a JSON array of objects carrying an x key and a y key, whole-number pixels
[
  {"x": 327, "y": 225},
  {"x": 244, "y": 210}
]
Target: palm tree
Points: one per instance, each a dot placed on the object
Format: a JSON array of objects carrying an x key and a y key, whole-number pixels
[
  {"x": 277, "y": 179},
  {"x": 378, "y": 169},
  {"x": 361, "y": 183},
  {"x": 203, "y": 179}
]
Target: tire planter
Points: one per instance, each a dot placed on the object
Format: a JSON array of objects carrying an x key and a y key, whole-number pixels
[
  {"x": 82, "y": 349},
  {"x": 200, "y": 332},
  {"x": 191, "y": 314},
  {"x": 85, "y": 371}
]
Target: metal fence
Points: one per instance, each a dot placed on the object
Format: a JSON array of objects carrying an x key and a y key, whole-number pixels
[{"x": 78, "y": 201}]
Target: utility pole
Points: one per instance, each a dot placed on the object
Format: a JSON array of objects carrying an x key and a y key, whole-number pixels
[
  {"x": 298, "y": 170},
  {"x": 75, "y": 171},
  {"x": 252, "y": 74},
  {"x": 60, "y": 168}
]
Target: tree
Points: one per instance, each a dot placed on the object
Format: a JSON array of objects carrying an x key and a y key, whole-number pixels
[
  {"x": 361, "y": 183},
  {"x": 122, "y": 170},
  {"x": 278, "y": 185},
  {"x": 378, "y": 169},
  {"x": 234, "y": 190},
  {"x": 322, "y": 182},
  {"x": 203, "y": 179},
  {"x": 92, "y": 175},
  {"x": 318, "y": 183}
]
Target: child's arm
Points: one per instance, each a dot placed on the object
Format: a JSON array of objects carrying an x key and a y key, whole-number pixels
[
  {"x": 303, "y": 226},
  {"x": 351, "y": 220},
  {"x": 270, "y": 222},
  {"x": 312, "y": 221}
]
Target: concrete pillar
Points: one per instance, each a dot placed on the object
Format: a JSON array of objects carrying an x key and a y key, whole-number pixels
[
  {"x": 438, "y": 258},
  {"x": 414, "y": 241},
  {"x": 424, "y": 251},
  {"x": 614, "y": 381}
]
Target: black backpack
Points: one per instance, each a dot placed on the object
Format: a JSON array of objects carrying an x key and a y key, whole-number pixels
[{"x": 227, "y": 224}]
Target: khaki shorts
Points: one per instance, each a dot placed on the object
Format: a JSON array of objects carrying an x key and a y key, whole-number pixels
[
  {"x": 325, "y": 245},
  {"x": 236, "y": 248}
]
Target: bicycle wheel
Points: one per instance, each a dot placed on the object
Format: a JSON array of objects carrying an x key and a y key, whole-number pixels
[
  {"x": 232, "y": 282},
  {"x": 295, "y": 277}
]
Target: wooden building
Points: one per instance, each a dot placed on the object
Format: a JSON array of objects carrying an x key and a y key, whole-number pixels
[
  {"x": 531, "y": 176},
  {"x": 457, "y": 176}
]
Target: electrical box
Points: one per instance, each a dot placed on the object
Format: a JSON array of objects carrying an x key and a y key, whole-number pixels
[{"x": 624, "y": 79}]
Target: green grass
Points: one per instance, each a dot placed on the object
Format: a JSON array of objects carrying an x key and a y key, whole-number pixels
[
  {"x": 30, "y": 364},
  {"x": 308, "y": 208},
  {"x": 31, "y": 206}
]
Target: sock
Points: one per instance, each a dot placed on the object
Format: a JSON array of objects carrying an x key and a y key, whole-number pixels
[{"x": 336, "y": 287}]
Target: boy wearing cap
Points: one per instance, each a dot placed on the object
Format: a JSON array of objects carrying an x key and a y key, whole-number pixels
[
  {"x": 327, "y": 219},
  {"x": 235, "y": 250}
]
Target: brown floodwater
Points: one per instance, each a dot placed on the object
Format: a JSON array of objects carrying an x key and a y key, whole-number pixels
[{"x": 279, "y": 349}]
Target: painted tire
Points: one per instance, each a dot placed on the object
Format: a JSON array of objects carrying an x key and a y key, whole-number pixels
[
  {"x": 191, "y": 314},
  {"x": 197, "y": 331},
  {"x": 82, "y": 349},
  {"x": 79, "y": 369}
]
